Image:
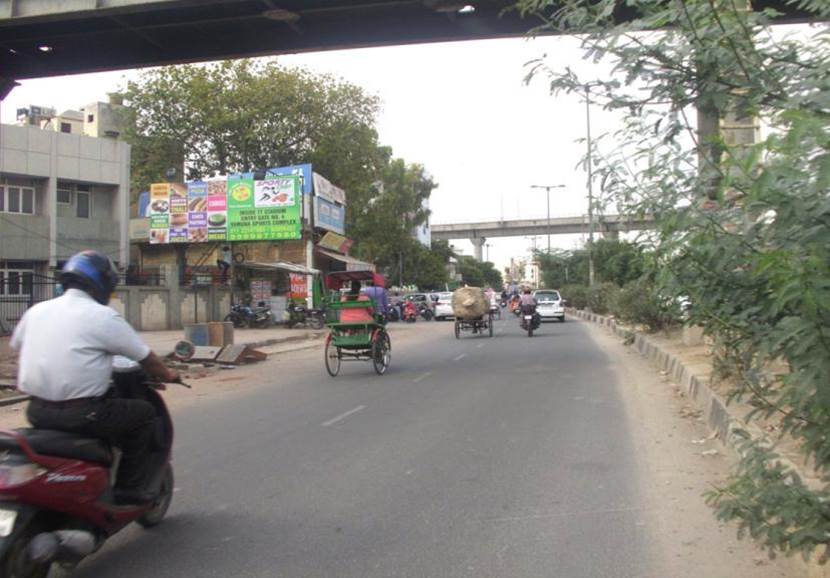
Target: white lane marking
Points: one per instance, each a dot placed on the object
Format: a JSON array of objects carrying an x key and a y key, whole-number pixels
[
  {"x": 479, "y": 346},
  {"x": 342, "y": 416},
  {"x": 422, "y": 377},
  {"x": 459, "y": 357}
]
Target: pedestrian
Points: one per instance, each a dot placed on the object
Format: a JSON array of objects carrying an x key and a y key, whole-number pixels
[{"x": 224, "y": 262}]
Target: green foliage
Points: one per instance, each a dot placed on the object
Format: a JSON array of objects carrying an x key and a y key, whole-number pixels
[
  {"x": 743, "y": 230},
  {"x": 640, "y": 302},
  {"x": 601, "y": 297},
  {"x": 478, "y": 274},
  {"x": 614, "y": 261},
  {"x": 575, "y": 295},
  {"x": 242, "y": 115}
]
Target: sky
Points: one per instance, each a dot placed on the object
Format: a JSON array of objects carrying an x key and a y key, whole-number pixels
[{"x": 460, "y": 109}]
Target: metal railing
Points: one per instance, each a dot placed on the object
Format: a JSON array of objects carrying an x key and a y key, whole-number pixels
[{"x": 19, "y": 292}]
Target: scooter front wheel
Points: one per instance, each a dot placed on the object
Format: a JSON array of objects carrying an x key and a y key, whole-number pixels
[{"x": 155, "y": 515}]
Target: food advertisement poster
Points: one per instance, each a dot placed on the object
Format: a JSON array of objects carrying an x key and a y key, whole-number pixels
[
  {"x": 178, "y": 213},
  {"x": 217, "y": 210},
  {"x": 236, "y": 209},
  {"x": 197, "y": 212},
  {"x": 159, "y": 213}
]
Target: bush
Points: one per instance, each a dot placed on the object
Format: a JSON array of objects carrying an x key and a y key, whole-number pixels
[
  {"x": 575, "y": 295},
  {"x": 601, "y": 297},
  {"x": 638, "y": 302}
]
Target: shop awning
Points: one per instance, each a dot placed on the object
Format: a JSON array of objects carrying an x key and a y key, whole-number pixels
[
  {"x": 280, "y": 265},
  {"x": 351, "y": 263}
]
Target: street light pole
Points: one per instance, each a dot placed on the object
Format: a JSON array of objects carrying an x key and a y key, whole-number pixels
[
  {"x": 547, "y": 194},
  {"x": 590, "y": 189}
]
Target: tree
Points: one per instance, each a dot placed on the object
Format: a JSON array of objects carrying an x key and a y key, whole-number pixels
[
  {"x": 743, "y": 226},
  {"x": 243, "y": 115},
  {"x": 384, "y": 225},
  {"x": 618, "y": 262}
]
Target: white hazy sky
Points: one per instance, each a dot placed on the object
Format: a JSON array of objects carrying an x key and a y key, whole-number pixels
[{"x": 460, "y": 109}]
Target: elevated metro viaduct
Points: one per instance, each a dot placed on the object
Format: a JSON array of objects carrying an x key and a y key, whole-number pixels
[{"x": 478, "y": 233}]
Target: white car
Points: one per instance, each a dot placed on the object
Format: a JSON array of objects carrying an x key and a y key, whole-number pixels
[
  {"x": 443, "y": 307},
  {"x": 549, "y": 304}
]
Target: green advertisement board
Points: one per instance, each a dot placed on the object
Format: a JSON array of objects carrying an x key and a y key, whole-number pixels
[{"x": 264, "y": 210}]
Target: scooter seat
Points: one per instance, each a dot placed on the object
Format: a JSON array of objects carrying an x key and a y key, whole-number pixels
[{"x": 61, "y": 444}]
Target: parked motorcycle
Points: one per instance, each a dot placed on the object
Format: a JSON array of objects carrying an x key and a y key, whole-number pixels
[
  {"x": 300, "y": 315},
  {"x": 426, "y": 313},
  {"x": 410, "y": 312},
  {"x": 57, "y": 504},
  {"x": 530, "y": 319},
  {"x": 246, "y": 316}
]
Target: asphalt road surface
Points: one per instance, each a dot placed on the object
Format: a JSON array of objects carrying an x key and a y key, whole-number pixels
[{"x": 508, "y": 456}]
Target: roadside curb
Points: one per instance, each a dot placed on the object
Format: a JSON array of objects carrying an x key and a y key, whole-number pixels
[{"x": 311, "y": 336}]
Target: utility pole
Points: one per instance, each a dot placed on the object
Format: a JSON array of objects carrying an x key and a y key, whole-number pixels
[
  {"x": 590, "y": 189},
  {"x": 547, "y": 193}
]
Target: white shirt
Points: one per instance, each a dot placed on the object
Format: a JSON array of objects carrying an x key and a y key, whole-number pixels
[{"x": 67, "y": 344}]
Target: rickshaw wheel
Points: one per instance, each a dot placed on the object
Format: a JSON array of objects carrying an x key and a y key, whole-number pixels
[
  {"x": 457, "y": 329},
  {"x": 332, "y": 358},
  {"x": 381, "y": 352}
]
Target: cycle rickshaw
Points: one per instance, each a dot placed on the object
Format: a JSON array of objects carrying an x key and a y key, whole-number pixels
[{"x": 358, "y": 327}]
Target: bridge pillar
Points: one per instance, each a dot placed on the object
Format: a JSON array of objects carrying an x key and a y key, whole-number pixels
[
  {"x": 478, "y": 246},
  {"x": 611, "y": 234}
]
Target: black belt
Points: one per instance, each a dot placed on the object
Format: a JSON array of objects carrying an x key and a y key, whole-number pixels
[{"x": 66, "y": 403}]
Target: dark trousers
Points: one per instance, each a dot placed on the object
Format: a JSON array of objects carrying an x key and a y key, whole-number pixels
[{"x": 126, "y": 423}]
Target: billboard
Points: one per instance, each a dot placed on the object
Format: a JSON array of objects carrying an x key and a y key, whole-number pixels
[
  {"x": 329, "y": 216},
  {"x": 238, "y": 208},
  {"x": 323, "y": 188}
]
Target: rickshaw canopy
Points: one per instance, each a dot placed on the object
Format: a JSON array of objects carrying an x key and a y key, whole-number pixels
[{"x": 335, "y": 280}]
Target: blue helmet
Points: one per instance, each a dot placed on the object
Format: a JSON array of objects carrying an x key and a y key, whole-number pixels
[{"x": 94, "y": 272}]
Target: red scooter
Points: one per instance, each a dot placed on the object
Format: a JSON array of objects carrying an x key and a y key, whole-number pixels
[{"x": 56, "y": 489}]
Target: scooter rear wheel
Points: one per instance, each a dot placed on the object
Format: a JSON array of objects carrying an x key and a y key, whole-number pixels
[
  {"x": 16, "y": 563},
  {"x": 155, "y": 515}
]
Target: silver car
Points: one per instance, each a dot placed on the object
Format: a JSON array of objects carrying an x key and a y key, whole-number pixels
[{"x": 549, "y": 304}]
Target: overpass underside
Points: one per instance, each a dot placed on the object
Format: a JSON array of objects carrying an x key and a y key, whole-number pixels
[{"x": 41, "y": 38}]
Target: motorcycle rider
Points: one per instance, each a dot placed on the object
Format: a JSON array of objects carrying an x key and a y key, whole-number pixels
[
  {"x": 66, "y": 347},
  {"x": 527, "y": 302}
]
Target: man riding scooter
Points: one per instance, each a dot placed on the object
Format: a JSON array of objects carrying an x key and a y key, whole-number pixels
[
  {"x": 530, "y": 318},
  {"x": 66, "y": 347}
]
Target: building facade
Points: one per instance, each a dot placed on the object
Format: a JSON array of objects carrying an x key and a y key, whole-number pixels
[{"x": 59, "y": 193}]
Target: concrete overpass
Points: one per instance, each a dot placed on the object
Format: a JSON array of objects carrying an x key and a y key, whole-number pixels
[
  {"x": 41, "y": 38},
  {"x": 478, "y": 233}
]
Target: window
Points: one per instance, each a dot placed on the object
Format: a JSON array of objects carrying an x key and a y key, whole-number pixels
[
  {"x": 17, "y": 199},
  {"x": 66, "y": 127},
  {"x": 90, "y": 118},
  {"x": 16, "y": 281},
  {"x": 64, "y": 194},
  {"x": 82, "y": 204}
]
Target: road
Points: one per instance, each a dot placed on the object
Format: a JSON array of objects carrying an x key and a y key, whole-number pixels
[{"x": 502, "y": 457}]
